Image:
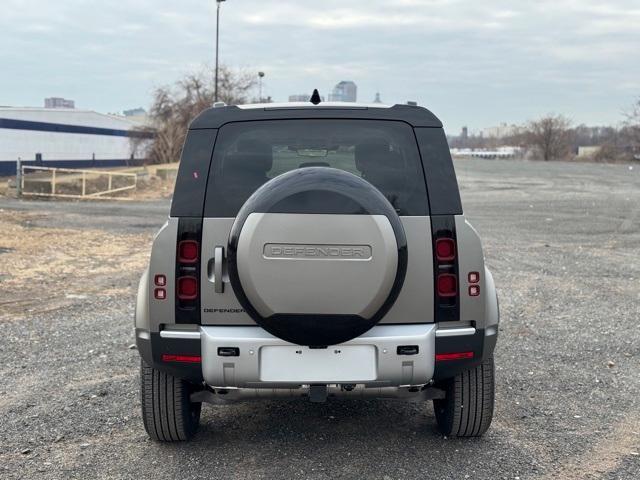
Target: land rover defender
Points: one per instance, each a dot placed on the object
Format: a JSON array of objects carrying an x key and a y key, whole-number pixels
[{"x": 313, "y": 252}]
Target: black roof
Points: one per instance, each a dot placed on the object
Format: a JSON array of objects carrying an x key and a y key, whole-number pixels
[{"x": 413, "y": 115}]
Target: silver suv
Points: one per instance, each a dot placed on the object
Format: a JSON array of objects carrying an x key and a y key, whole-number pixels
[{"x": 316, "y": 251}]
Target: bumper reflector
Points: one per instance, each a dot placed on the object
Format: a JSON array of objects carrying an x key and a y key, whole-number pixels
[
  {"x": 441, "y": 357},
  {"x": 181, "y": 358}
]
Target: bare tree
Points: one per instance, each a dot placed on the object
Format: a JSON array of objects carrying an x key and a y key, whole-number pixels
[
  {"x": 631, "y": 129},
  {"x": 633, "y": 115},
  {"x": 550, "y": 136},
  {"x": 174, "y": 107},
  {"x": 624, "y": 144}
]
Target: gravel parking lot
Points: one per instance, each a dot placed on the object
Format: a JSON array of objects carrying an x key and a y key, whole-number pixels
[{"x": 562, "y": 240}]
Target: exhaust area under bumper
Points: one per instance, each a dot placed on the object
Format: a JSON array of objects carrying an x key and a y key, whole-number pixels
[{"x": 317, "y": 393}]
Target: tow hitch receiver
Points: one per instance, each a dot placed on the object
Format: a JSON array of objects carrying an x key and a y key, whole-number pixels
[{"x": 318, "y": 393}]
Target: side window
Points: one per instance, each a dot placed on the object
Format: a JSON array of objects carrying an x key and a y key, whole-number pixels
[
  {"x": 444, "y": 197},
  {"x": 188, "y": 194},
  {"x": 248, "y": 154}
]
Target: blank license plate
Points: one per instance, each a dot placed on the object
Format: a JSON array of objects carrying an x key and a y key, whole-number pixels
[{"x": 353, "y": 363}]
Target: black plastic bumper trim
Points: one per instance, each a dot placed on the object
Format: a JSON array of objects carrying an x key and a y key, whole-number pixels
[
  {"x": 155, "y": 346},
  {"x": 465, "y": 343}
]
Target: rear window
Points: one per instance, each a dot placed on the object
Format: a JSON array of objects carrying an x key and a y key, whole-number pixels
[{"x": 248, "y": 154}]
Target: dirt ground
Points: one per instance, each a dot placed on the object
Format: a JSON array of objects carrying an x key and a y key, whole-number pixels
[
  {"x": 52, "y": 267},
  {"x": 562, "y": 241}
]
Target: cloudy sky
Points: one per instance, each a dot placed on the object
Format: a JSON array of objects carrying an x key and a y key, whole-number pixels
[{"x": 474, "y": 63}]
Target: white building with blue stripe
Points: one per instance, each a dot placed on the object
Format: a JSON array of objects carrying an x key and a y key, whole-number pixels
[{"x": 61, "y": 137}]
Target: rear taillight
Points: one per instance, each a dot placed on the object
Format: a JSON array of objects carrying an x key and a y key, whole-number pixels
[
  {"x": 187, "y": 288},
  {"x": 445, "y": 249},
  {"x": 187, "y": 283},
  {"x": 474, "y": 288},
  {"x": 447, "y": 285},
  {"x": 160, "y": 281},
  {"x": 445, "y": 269},
  {"x": 188, "y": 251}
]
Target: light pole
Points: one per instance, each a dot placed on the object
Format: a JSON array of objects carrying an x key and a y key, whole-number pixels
[
  {"x": 218, "y": 2},
  {"x": 260, "y": 75}
]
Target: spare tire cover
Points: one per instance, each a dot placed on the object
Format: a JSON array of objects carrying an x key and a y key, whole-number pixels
[{"x": 317, "y": 256}]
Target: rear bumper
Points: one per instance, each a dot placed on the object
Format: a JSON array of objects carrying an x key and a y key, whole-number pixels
[
  {"x": 387, "y": 365},
  {"x": 249, "y": 368}
]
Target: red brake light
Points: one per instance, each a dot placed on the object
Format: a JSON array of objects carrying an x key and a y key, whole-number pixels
[
  {"x": 447, "y": 285},
  {"x": 453, "y": 356},
  {"x": 445, "y": 249},
  {"x": 188, "y": 251},
  {"x": 181, "y": 358},
  {"x": 187, "y": 288}
]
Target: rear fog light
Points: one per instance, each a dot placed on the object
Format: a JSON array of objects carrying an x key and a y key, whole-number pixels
[
  {"x": 181, "y": 358},
  {"x": 441, "y": 357}
]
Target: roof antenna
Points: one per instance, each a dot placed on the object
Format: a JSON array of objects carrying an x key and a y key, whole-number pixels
[{"x": 315, "y": 97}]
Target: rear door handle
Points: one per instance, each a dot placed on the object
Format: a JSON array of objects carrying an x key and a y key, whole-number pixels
[{"x": 218, "y": 255}]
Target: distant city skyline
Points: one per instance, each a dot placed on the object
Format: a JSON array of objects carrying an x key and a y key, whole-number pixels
[
  {"x": 344, "y": 91},
  {"x": 471, "y": 63},
  {"x": 58, "y": 102}
]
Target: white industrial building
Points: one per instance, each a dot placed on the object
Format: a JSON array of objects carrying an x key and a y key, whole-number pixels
[{"x": 65, "y": 137}]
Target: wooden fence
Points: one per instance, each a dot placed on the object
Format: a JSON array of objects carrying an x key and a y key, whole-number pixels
[{"x": 73, "y": 183}]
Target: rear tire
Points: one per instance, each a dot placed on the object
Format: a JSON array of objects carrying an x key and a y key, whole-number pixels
[
  {"x": 467, "y": 410},
  {"x": 167, "y": 412}
]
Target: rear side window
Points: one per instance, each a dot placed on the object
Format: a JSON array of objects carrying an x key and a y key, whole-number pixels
[
  {"x": 188, "y": 194},
  {"x": 248, "y": 154},
  {"x": 444, "y": 197}
]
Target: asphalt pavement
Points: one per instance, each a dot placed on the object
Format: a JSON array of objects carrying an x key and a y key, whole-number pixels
[{"x": 563, "y": 243}]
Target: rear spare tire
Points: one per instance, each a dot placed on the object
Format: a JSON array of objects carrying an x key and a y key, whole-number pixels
[{"x": 317, "y": 256}]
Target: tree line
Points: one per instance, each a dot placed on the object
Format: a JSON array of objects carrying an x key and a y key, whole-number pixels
[{"x": 552, "y": 137}]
